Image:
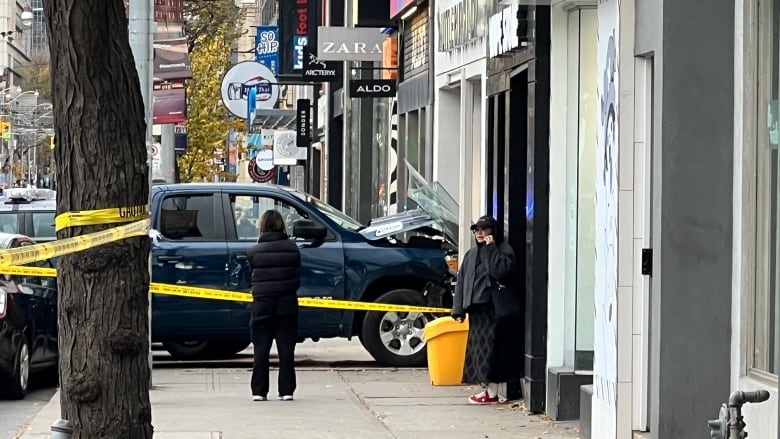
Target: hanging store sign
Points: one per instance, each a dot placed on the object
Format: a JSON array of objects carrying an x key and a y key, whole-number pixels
[
  {"x": 461, "y": 24},
  {"x": 318, "y": 70},
  {"x": 169, "y": 102},
  {"x": 297, "y": 25},
  {"x": 247, "y": 79},
  {"x": 398, "y": 6},
  {"x": 349, "y": 43},
  {"x": 502, "y": 32},
  {"x": 372, "y": 88},
  {"x": 303, "y": 123},
  {"x": 267, "y": 47}
]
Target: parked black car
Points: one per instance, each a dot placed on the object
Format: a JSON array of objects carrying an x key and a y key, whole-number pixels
[{"x": 28, "y": 324}]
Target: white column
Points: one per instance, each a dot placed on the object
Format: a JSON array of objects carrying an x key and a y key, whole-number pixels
[{"x": 466, "y": 154}]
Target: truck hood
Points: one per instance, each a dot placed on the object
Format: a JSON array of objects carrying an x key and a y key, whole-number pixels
[{"x": 436, "y": 210}]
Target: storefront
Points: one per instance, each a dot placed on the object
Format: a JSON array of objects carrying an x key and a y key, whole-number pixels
[
  {"x": 517, "y": 164},
  {"x": 573, "y": 141},
  {"x": 413, "y": 112},
  {"x": 755, "y": 358},
  {"x": 459, "y": 130}
]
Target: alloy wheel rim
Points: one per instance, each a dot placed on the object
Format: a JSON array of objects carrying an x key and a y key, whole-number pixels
[
  {"x": 402, "y": 333},
  {"x": 24, "y": 366}
]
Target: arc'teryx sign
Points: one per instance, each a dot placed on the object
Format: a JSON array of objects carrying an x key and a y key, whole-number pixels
[
  {"x": 372, "y": 88},
  {"x": 349, "y": 43}
]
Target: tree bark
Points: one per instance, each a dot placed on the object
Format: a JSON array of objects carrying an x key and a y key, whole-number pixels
[{"x": 101, "y": 163}]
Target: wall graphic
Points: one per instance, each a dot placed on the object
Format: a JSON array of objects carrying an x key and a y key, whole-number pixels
[{"x": 605, "y": 337}]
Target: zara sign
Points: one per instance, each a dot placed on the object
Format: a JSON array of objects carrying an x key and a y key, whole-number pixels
[
  {"x": 372, "y": 88},
  {"x": 349, "y": 43}
]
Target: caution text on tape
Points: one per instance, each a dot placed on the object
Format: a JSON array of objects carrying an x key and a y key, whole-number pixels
[
  {"x": 100, "y": 216},
  {"x": 40, "y": 252}
]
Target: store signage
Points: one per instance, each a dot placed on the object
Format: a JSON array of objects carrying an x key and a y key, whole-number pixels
[
  {"x": 349, "y": 43},
  {"x": 303, "y": 123},
  {"x": 372, "y": 88},
  {"x": 390, "y": 58},
  {"x": 318, "y": 70},
  {"x": 294, "y": 19},
  {"x": 502, "y": 32},
  {"x": 416, "y": 45},
  {"x": 267, "y": 47},
  {"x": 249, "y": 81},
  {"x": 461, "y": 24},
  {"x": 397, "y": 6}
]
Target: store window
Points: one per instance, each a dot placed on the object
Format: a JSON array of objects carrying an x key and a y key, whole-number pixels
[
  {"x": 582, "y": 95},
  {"x": 766, "y": 336}
]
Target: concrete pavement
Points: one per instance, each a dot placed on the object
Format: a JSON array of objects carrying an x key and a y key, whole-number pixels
[{"x": 330, "y": 403}]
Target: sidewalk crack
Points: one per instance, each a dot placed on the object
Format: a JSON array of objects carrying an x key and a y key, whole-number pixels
[{"x": 364, "y": 403}]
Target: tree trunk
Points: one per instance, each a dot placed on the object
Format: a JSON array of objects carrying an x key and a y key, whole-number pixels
[{"x": 101, "y": 163}]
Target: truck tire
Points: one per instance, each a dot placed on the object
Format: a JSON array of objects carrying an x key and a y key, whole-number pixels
[
  {"x": 205, "y": 350},
  {"x": 187, "y": 350},
  {"x": 395, "y": 339}
]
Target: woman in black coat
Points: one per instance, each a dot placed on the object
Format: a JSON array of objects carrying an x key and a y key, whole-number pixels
[
  {"x": 483, "y": 268},
  {"x": 275, "y": 263}
]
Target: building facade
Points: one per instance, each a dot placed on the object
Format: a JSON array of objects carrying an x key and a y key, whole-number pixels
[{"x": 664, "y": 115}]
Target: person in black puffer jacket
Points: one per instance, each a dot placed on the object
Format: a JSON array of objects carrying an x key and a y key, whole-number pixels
[{"x": 275, "y": 263}]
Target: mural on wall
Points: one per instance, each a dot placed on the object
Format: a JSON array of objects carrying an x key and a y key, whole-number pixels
[
  {"x": 392, "y": 165},
  {"x": 605, "y": 324}
]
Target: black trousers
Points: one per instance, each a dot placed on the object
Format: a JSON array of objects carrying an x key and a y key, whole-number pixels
[{"x": 282, "y": 328}]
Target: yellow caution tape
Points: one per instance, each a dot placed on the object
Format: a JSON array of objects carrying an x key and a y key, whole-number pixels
[
  {"x": 197, "y": 292},
  {"x": 40, "y": 252},
  {"x": 100, "y": 216},
  {"x": 236, "y": 296}
]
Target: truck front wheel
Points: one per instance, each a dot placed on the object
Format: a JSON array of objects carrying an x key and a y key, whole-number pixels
[{"x": 396, "y": 338}]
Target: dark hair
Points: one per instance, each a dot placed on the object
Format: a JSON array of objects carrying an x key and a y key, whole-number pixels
[{"x": 271, "y": 221}]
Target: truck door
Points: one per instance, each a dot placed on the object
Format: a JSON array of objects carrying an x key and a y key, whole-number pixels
[
  {"x": 189, "y": 250},
  {"x": 322, "y": 263}
]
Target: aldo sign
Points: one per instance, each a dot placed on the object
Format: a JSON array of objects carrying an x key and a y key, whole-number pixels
[
  {"x": 349, "y": 43},
  {"x": 372, "y": 88}
]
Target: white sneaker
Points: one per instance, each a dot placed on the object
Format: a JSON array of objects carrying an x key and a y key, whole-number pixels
[
  {"x": 285, "y": 397},
  {"x": 258, "y": 398}
]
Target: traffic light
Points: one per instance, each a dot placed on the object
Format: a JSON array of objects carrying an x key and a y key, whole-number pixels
[{"x": 5, "y": 129}]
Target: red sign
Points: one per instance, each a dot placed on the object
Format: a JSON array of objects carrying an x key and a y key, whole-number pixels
[
  {"x": 397, "y": 6},
  {"x": 169, "y": 102}
]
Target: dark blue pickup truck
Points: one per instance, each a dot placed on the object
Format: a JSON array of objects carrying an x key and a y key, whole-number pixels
[{"x": 201, "y": 235}]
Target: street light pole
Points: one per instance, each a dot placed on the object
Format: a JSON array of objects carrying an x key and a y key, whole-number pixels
[{"x": 141, "y": 14}]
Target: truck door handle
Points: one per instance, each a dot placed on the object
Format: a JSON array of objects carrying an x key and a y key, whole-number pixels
[
  {"x": 168, "y": 258},
  {"x": 242, "y": 258}
]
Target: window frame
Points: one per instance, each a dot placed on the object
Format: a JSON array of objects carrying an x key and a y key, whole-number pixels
[
  {"x": 216, "y": 211},
  {"x": 231, "y": 232},
  {"x": 748, "y": 271}
]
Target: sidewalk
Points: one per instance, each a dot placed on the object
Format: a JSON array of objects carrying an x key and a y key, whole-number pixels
[{"x": 329, "y": 403}]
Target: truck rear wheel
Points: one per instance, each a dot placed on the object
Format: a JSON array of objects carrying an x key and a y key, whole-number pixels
[{"x": 396, "y": 339}]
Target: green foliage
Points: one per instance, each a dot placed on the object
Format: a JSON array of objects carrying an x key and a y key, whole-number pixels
[
  {"x": 207, "y": 18},
  {"x": 208, "y": 123},
  {"x": 37, "y": 76}
]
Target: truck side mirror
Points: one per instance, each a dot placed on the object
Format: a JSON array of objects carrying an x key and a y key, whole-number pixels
[{"x": 309, "y": 230}]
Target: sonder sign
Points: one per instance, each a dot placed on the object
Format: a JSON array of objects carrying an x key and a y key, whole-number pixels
[
  {"x": 372, "y": 88},
  {"x": 349, "y": 44},
  {"x": 461, "y": 24}
]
